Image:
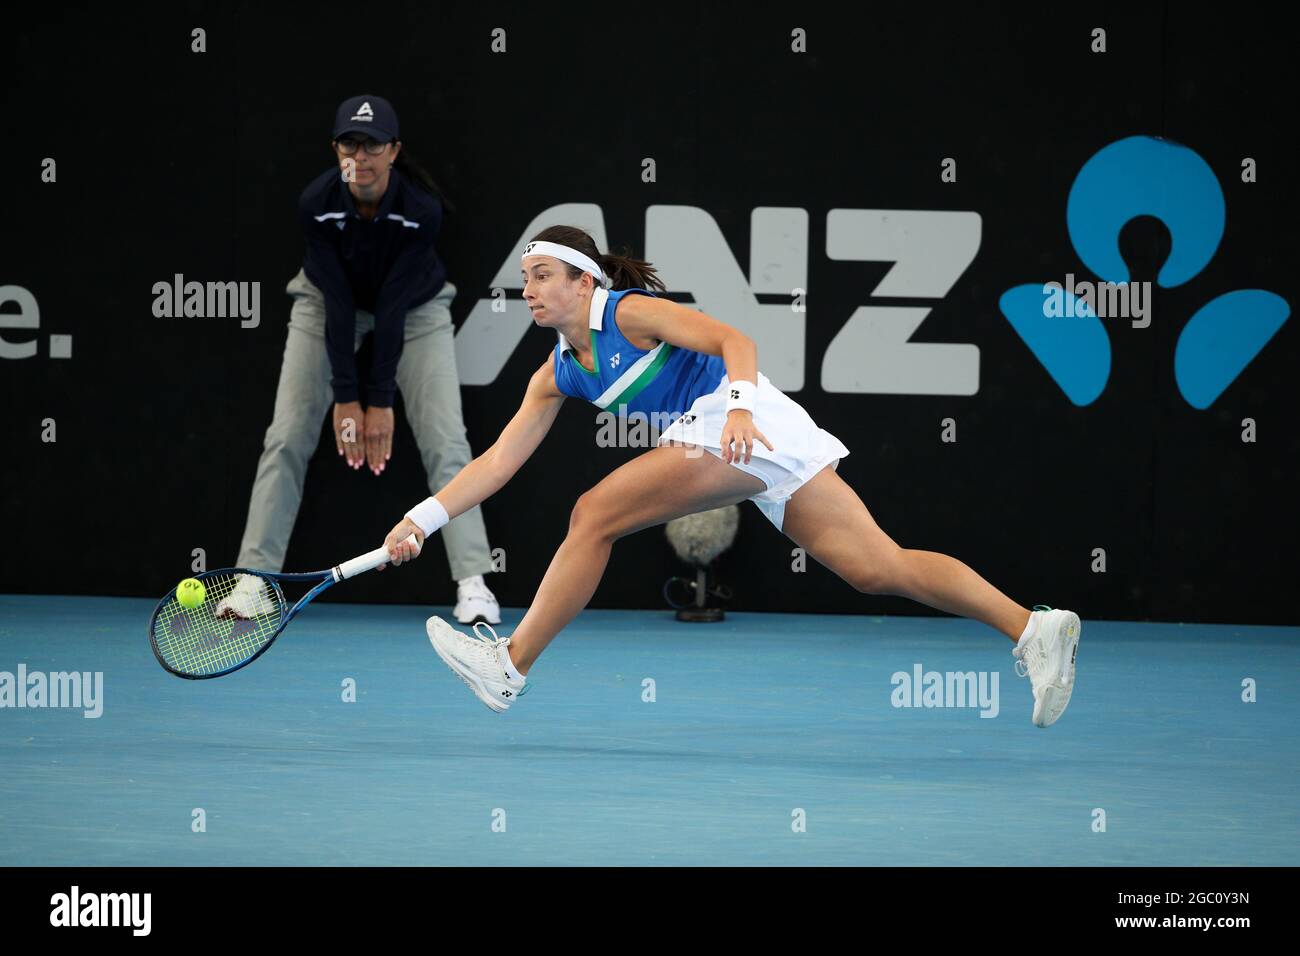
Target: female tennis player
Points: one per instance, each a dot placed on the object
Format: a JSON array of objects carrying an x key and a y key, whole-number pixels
[{"x": 736, "y": 437}]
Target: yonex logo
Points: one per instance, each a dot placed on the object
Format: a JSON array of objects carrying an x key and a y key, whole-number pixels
[
  {"x": 614, "y": 360},
  {"x": 506, "y": 693},
  {"x": 735, "y": 393},
  {"x": 529, "y": 248},
  {"x": 241, "y": 628},
  {"x": 1147, "y": 176}
]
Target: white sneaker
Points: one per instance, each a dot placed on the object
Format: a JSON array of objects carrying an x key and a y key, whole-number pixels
[
  {"x": 1047, "y": 658},
  {"x": 478, "y": 661},
  {"x": 248, "y": 599},
  {"x": 474, "y": 602}
]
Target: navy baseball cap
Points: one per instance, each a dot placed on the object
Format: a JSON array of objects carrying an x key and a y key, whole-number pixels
[{"x": 372, "y": 115}]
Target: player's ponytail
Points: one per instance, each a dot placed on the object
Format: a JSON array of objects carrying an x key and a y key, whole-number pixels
[
  {"x": 628, "y": 272},
  {"x": 624, "y": 270}
]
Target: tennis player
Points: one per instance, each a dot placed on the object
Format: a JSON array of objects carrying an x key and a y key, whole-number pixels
[{"x": 736, "y": 437}]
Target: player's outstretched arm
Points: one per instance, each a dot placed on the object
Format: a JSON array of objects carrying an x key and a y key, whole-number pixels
[{"x": 487, "y": 473}]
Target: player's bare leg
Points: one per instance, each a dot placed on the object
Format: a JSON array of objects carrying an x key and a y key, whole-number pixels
[
  {"x": 664, "y": 483},
  {"x": 827, "y": 519}
]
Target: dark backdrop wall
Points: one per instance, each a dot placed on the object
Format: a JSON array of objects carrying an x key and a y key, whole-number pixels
[{"x": 171, "y": 161}]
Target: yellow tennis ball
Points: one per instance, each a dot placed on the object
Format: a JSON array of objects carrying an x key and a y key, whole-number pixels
[{"x": 191, "y": 592}]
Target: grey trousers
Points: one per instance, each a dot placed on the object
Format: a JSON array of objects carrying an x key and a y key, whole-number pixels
[{"x": 430, "y": 387}]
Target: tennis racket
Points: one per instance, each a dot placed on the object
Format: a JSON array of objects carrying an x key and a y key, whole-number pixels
[{"x": 242, "y": 613}]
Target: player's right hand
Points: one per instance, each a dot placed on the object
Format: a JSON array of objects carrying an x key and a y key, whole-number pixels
[
  {"x": 398, "y": 548},
  {"x": 349, "y": 432}
]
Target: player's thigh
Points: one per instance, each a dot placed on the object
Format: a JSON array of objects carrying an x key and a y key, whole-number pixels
[
  {"x": 829, "y": 521},
  {"x": 664, "y": 483}
]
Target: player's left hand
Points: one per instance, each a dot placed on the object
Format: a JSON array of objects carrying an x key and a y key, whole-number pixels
[
  {"x": 740, "y": 430},
  {"x": 379, "y": 437}
]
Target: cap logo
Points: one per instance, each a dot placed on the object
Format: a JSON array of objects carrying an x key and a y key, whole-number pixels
[{"x": 365, "y": 113}]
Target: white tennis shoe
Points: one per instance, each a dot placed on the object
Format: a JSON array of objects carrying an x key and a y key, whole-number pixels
[
  {"x": 478, "y": 661},
  {"x": 248, "y": 599},
  {"x": 474, "y": 602},
  {"x": 1047, "y": 657}
]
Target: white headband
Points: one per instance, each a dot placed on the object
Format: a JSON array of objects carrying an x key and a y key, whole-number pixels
[{"x": 570, "y": 255}]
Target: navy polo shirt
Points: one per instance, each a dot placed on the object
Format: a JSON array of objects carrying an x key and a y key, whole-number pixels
[{"x": 385, "y": 266}]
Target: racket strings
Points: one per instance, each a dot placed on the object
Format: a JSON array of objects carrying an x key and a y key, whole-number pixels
[{"x": 197, "y": 642}]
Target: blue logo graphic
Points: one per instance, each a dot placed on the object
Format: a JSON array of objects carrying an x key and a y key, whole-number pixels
[{"x": 1145, "y": 176}]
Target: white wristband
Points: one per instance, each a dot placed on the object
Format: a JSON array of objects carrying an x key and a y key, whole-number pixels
[
  {"x": 429, "y": 515},
  {"x": 740, "y": 394}
]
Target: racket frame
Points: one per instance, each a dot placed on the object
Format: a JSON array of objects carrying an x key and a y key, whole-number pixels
[{"x": 325, "y": 579}]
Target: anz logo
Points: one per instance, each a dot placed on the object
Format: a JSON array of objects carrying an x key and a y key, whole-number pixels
[
  {"x": 1145, "y": 176},
  {"x": 929, "y": 250},
  {"x": 872, "y": 351}
]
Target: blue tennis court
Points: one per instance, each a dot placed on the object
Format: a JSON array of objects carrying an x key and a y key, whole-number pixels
[{"x": 771, "y": 738}]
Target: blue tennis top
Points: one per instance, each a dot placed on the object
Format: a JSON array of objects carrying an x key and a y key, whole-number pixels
[{"x": 665, "y": 380}]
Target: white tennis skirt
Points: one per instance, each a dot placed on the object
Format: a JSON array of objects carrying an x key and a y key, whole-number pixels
[{"x": 801, "y": 448}]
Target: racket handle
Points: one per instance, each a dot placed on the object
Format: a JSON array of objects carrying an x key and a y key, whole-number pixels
[{"x": 369, "y": 561}]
